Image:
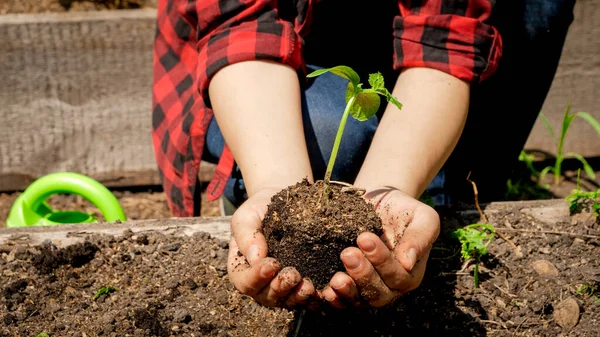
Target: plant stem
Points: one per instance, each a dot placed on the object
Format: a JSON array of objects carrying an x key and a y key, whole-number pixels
[{"x": 336, "y": 146}]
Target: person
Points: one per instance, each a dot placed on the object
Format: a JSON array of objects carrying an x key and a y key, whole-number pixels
[{"x": 230, "y": 88}]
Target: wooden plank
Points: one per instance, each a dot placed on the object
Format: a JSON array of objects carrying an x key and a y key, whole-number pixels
[
  {"x": 578, "y": 80},
  {"x": 65, "y": 235},
  {"x": 549, "y": 211},
  {"x": 75, "y": 96}
]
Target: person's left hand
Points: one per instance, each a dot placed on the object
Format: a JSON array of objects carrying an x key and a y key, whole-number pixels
[{"x": 383, "y": 268}]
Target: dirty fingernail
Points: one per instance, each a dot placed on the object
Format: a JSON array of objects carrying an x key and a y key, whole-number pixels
[
  {"x": 412, "y": 258},
  {"x": 351, "y": 261},
  {"x": 368, "y": 246},
  {"x": 267, "y": 271}
]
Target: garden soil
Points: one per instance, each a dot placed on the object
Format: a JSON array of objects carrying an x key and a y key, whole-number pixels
[{"x": 542, "y": 279}]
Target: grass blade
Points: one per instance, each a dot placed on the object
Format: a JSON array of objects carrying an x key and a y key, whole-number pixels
[
  {"x": 591, "y": 120},
  {"x": 586, "y": 167},
  {"x": 544, "y": 172},
  {"x": 548, "y": 126}
]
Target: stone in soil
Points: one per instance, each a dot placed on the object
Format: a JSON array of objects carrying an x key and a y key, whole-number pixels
[{"x": 308, "y": 233}]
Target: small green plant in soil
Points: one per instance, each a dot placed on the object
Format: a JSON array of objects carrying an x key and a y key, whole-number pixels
[
  {"x": 583, "y": 200},
  {"x": 42, "y": 334},
  {"x": 474, "y": 240},
  {"x": 104, "y": 291},
  {"x": 560, "y": 156},
  {"x": 308, "y": 225}
]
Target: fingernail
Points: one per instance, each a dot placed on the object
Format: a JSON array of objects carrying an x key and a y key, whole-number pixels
[
  {"x": 338, "y": 285},
  {"x": 412, "y": 258},
  {"x": 368, "y": 246},
  {"x": 351, "y": 261},
  {"x": 252, "y": 254},
  {"x": 267, "y": 271}
]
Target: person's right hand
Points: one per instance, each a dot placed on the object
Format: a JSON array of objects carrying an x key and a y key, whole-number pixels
[{"x": 251, "y": 271}]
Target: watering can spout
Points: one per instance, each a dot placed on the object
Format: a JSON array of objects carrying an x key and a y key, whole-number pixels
[{"x": 31, "y": 209}]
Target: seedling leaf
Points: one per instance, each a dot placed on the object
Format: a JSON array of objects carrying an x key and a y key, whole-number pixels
[
  {"x": 586, "y": 167},
  {"x": 591, "y": 120},
  {"x": 104, "y": 290},
  {"x": 474, "y": 241},
  {"x": 376, "y": 81},
  {"x": 365, "y": 106},
  {"x": 42, "y": 334},
  {"x": 342, "y": 71},
  {"x": 548, "y": 126}
]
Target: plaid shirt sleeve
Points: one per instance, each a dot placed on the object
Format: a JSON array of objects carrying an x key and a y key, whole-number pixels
[
  {"x": 448, "y": 35},
  {"x": 194, "y": 40}
]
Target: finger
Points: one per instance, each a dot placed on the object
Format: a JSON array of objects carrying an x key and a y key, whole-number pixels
[
  {"x": 390, "y": 270},
  {"x": 280, "y": 287},
  {"x": 346, "y": 290},
  {"x": 246, "y": 223},
  {"x": 249, "y": 280},
  {"x": 371, "y": 287},
  {"x": 301, "y": 293},
  {"x": 418, "y": 238}
]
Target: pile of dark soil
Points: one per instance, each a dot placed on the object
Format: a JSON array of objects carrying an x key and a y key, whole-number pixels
[{"x": 308, "y": 233}]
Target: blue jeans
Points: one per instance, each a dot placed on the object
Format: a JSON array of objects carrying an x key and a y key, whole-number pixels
[{"x": 533, "y": 33}]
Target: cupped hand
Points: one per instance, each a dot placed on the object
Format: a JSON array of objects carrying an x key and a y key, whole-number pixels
[
  {"x": 383, "y": 268},
  {"x": 251, "y": 271}
]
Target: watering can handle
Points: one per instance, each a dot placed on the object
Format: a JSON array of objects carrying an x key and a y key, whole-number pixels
[{"x": 74, "y": 183}]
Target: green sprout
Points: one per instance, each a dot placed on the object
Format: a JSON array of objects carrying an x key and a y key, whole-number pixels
[
  {"x": 579, "y": 200},
  {"x": 528, "y": 160},
  {"x": 474, "y": 240},
  {"x": 560, "y": 157},
  {"x": 42, "y": 334},
  {"x": 104, "y": 290},
  {"x": 585, "y": 289},
  {"x": 361, "y": 103}
]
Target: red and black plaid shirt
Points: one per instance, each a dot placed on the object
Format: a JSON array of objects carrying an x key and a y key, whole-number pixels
[{"x": 195, "y": 39}]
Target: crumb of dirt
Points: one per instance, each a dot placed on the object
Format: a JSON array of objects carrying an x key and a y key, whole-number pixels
[
  {"x": 76, "y": 255},
  {"x": 308, "y": 233}
]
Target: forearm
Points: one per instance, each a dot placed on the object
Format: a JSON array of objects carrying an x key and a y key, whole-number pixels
[
  {"x": 257, "y": 106},
  {"x": 412, "y": 144}
]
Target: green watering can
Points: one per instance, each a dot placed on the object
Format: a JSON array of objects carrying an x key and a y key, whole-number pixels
[{"x": 31, "y": 209}]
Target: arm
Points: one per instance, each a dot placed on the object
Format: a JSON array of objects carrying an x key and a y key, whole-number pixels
[
  {"x": 247, "y": 66},
  {"x": 257, "y": 106},
  {"x": 435, "y": 106},
  {"x": 442, "y": 48}
]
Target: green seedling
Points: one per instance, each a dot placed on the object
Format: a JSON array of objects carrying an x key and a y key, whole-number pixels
[
  {"x": 528, "y": 160},
  {"x": 474, "y": 240},
  {"x": 580, "y": 200},
  {"x": 104, "y": 290},
  {"x": 42, "y": 334},
  {"x": 585, "y": 290},
  {"x": 361, "y": 103},
  {"x": 560, "y": 156}
]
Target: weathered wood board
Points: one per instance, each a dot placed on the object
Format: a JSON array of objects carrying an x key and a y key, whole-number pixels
[{"x": 75, "y": 94}]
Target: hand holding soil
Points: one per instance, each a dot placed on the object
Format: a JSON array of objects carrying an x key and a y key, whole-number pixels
[
  {"x": 383, "y": 268},
  {"x": 252, "y": 272}
]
